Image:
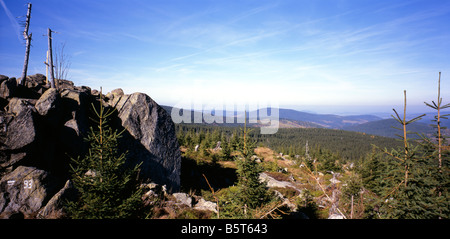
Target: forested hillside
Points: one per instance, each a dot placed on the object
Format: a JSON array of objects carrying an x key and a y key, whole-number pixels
[
  {"x": 386, "y": 128},
  {"x": 317, "y": 173},
  {"x": 331, "y": 173},
  {"x": 290, "y": 141},
  {"x": 288, "y": 118},
  {"x": 327, "y": 120}
]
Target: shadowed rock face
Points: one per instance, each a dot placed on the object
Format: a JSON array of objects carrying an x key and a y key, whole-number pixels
[
  {"x": 148, "y": 127},
  {"x": 42, "y": 128}
]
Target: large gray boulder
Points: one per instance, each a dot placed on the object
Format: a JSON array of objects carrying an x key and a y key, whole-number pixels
[
  {"x": 55, "y": 206},
  {"x": 3, "y": 78},
  {"x": 20, "y": 131},
  {"x": 183, "y": 199},
  {"x": 48, "y": 102},
  {"x": 150, "y": 138},
  {"x": 273, "y": 183},
  {"x": 17, "y": 136},
  {"x": 25, "y": 191},
  {"x": 8, "y": 87},
  {"x": 204, "y": 205},
  {"x": 37, "y": 83}
]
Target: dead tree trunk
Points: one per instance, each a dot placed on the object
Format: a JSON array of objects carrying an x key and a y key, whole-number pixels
[
  {"x": 50, "y": 58},
  {"x": 28, "y": 44}
]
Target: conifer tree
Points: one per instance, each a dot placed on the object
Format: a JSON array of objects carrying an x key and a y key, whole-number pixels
[
  {"x": 208, "y": 140},
  {"x": 442, "y": 174},
  {"x": 181, "y": 136},
  {"x": 409, "y": 153},
  {"x": 235, "y": 140},
  {"x": 226, "y": 148},
  {"x": 416, "y": 189},
  {"x": 188, "y": 139},
  {"x": 252, "y": 192},
  {"x": 438, "y": 119},
  {"x": 107, "y": 189}
]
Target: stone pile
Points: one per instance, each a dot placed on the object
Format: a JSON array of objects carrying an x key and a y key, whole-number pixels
[{"x": 42, "y": 128}]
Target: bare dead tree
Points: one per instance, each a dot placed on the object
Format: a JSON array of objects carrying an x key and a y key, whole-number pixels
[
  {"x": 438, "y": 106},
  {"x": 50, "y": 58},
  {"x": 46, "y": 68},
  {"x": 62, "y": 62},
  {"x": 27, "y": 38}
]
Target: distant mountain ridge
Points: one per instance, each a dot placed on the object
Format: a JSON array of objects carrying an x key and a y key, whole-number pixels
[
  {"x": 298, "y": 119},
  {"x": 365, "y": 123},
  {"x": 386, "y": 128},
  {"x": 312, "y": 120},
  {"x": 327, "y": 120}
]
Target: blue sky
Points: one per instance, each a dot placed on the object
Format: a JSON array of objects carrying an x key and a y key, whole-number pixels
[{"x": 324, "y": 56}]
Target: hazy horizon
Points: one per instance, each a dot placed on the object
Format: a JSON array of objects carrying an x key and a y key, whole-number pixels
[{"x": 376, "y": 110}]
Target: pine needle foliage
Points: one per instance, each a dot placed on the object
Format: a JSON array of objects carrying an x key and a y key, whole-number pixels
[
  {"x": 409, "y": 182},
  {"x": 252, "y": 192},
  {"x": 107, "y": 189},
  {"x": 408, "y": 154}
]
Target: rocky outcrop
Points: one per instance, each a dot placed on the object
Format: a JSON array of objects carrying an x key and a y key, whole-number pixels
[
  {"x": 42, "y": 128},
  {"x": 183, "y": 199},
  {"x": 54, "y": 207},
  {"x": 206, "y": 205},
  {"x": 273, "y": 183},
  {"x": 147, "y": 126},
  {"x": 25, "y": 191},
  {"x": 48, "y": 102}
]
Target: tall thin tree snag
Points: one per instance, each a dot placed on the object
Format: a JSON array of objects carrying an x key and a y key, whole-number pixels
[
  {"x": 27, "y": 38},
  {"x": 438, "y": 122},
  {"x": 407, "y": 155},
  {"x": 438, "y": 106},
  {"x": 50, "y": 58},
  {"x": 46, "y": 68}
]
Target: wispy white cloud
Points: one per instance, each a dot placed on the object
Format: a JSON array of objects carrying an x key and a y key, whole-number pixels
[
  {"x": 252, "y": 12},
  {"x": 181, "y": 22},
  {"x": 13, "y": 20},
  {"x": 343, "y": 65},
  {"x": 332, "y": 54}
]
